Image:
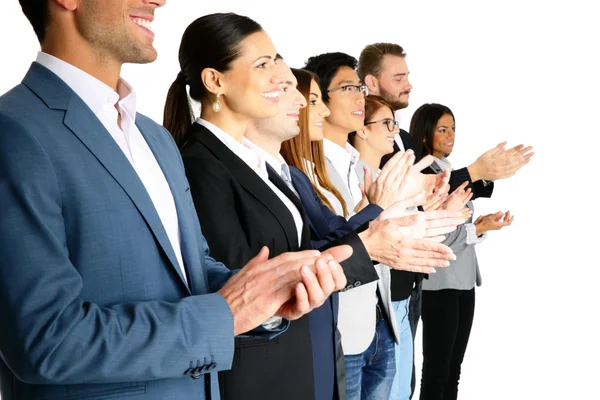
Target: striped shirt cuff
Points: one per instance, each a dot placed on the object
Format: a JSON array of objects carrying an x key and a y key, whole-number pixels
[{"x": 472, "y": 235}]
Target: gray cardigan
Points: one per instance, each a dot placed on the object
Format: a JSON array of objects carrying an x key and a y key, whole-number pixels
[{"x": 463, "y": 273}]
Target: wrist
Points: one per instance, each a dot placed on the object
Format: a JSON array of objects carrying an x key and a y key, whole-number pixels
[
  {"x": 480, "y": 229},
  {"x": 474, "y": 172},
  {"x": 366, "y": 238}
]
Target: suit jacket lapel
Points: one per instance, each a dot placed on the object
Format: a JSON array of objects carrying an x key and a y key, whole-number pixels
[
  {"x": 189, "y": 243},
  {"x": 87, "y": 127},
  {"x": 281, "y": 185},
  {"x": 249, "y": 180},
  {"x": 436, "y": 168},
  {"x": 300, "y": 189}
]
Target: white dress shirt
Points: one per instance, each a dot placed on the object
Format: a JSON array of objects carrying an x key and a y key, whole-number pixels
[
  {"x": 256, "y": 158},
  {"x": 280, "y": 166},
  {"x": 344, "y": 161},
  {"x": 108, "y": 105}
]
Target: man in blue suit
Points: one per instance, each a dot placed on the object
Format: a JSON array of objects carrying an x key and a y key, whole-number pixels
[{"x": 107, "y": 289}]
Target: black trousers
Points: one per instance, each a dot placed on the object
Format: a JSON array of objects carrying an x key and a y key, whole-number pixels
[
  {"x": 447, "y": 319},
  {"x": 414, "y": 314}
]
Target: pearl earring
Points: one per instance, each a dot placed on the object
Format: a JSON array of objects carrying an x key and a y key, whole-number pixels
[{"x": 216, "y": 106}]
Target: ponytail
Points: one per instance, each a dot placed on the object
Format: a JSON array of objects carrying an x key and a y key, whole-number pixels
[{"x": 178, "y": 114}]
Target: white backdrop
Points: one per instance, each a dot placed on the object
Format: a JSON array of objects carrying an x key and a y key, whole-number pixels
[{"x": 516, "y": 71}]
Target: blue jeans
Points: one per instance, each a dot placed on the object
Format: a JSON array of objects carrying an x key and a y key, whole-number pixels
[
  {"x": 401, "y": 389},
  {"x": 369, "y": 375}
]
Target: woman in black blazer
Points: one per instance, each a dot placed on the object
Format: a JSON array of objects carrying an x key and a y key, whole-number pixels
[{"x": 230, "y": 66}]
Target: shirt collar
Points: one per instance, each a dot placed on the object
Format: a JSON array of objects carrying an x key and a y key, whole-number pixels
[
  {"x": 443, "y": 163},
  {"x": 348, "y": 154},
  {"x": 95, "y": 93},
  {"x": 242, "y": 150},
  {"x": 277, "y": 163}
]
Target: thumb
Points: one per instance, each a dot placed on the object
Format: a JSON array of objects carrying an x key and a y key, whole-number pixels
[
  {"x": 399, "y": 208},
  {"x": 339, "y": 253},
  {"x": 407, "y": 220},
  {"x": 362, "y": 191},
  {"x": 263, "y": 255},
  {"x": 261, "y": 258},
  {"x": 424, "y": 163},
  {"x": 413, "y": 201}
]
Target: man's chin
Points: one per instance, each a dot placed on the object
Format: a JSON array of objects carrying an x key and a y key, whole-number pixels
[{"x": 400, "y": 105}]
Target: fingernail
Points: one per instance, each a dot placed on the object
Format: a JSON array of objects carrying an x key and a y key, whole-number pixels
[
  {"x": 332, "y": 265},
  {"x": 452, "y": 256},
  {"x": 432, "y": 271},
  {"x": 447, "y": 263}
]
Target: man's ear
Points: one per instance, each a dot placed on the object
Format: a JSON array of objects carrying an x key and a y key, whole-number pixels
[
  {"x": 372, "y": 82},
  {"x": 362, "y": 133},
  {"x": 68, "y": 5}
]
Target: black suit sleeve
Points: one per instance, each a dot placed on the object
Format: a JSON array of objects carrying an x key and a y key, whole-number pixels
[
  {"x": 459, "y": 176},
  {"x": 358, "y": 268}
]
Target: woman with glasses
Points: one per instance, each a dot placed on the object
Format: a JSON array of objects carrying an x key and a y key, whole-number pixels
[
  {"x": 373, "y": 142},
  {"x": 448, "y": 302},
  {"x": 376, "y": 139}
]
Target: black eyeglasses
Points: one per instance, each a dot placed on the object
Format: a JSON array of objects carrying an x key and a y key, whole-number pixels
[
  {"x": 390, "y": 123},
  {"x": 354, "y": 89}
]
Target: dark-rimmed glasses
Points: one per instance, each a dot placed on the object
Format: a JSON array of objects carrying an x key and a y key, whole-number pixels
[
  {"x": 390, "y": 123},
  {"x": 354, "y": 89}
]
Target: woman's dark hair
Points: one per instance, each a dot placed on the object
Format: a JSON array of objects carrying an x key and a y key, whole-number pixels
[
  {"x": 422, "y": 127},
  {"x": 38, "y": 14},
  {"x": 211, "y": 41},
  {"x": 326, "y": 65}
]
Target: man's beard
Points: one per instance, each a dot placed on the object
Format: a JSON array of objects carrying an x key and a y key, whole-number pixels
[{"x": 395, "y": 102}]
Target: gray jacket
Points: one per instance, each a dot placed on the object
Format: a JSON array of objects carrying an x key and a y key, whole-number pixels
[{"x": 463, "y": 273}]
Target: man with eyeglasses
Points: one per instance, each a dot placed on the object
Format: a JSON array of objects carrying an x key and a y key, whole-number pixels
[{"x": 367, "y": 339}]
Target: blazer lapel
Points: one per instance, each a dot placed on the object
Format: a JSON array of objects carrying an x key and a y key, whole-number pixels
[
  {"x": 281, "y": 185},
  {"x": 89, "y": 130},
  {"x": 189, "y": 243},
  {"x": 436, "y": 168},
  {"x": 298, "y": 186},
  {"x": 249, "y": 180}
]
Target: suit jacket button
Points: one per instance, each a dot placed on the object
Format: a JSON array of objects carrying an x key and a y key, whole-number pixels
[{"x": 198, "y": 372}]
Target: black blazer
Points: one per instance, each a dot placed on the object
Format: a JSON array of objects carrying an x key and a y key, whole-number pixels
[{"x": 239, "y": 214}]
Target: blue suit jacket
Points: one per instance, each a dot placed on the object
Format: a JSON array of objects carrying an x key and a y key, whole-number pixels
[
  {"x": 325, "y": 227},
  {"x": 92, "y": 304}
]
